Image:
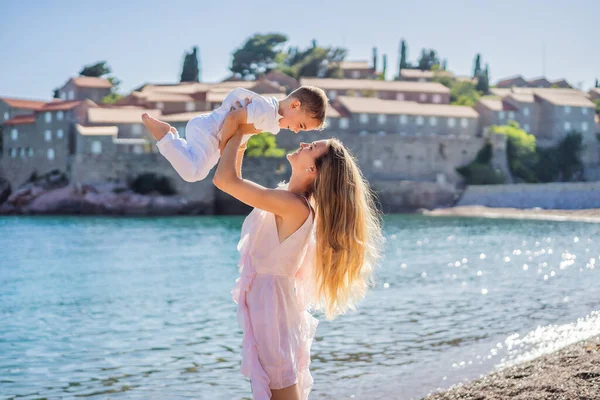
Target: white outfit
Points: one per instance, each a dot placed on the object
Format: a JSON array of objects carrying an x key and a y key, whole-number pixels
[{"x": 195, "y": 156}]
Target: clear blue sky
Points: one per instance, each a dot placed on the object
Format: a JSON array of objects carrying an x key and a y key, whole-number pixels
[{"x": 43, "y": 43}]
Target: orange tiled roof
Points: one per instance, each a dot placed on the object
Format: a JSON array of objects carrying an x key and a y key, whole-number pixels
[
  {"x": 91, "y": 82},
  {"x": 24, "y": 104},
  {"x": 21, "y": 120},
  {"x": 60, "y": 105}
]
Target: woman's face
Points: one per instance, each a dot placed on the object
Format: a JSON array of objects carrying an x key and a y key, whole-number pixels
[{"x": 306, "y": 155}]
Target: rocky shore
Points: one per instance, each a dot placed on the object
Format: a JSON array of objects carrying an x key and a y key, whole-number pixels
[
  {"x": 568, "y": 374},
  {"x": 589, "y": 215},
  {"x": 100, "y": 199}
]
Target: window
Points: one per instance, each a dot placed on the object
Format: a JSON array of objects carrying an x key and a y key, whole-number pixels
[
  {"x": 71, "y": 95},
  {"x": 511, "y": 115},
  {"x": 31, "y": 152},
  {"x": 400, "y": 96},
  {"x": 59, "y": 116},
  {"x": 190, "y": 106},
  {"x": 501, "y": 114},
  {"x": 584, "y": 126},
  {"x": 136, "y": 129},
  {"x": 403, "y": 119},
  {"x": 50, "y": 154},
  {"x": 59, "y": 133},
  {"x": 567, "y": 110},
  {"x": 344, "y": 123},
  {"x": 432, "y": 121},
  {"x": 6, "y": 116},
  {"x": 14, "y": 134},
  {"x": 160, "y": 105},
  {"x": 526, "y": 111},
  {"x": 464, "y": 122},
  {"x": 451, "y": 122},
  {"x": 363, "y": 133},
  {"x": 22, "y": 152},
  {"x": 138, "y": 149},
  {"x": 13, "y": 153},
  {"x": 420, "y": 120},
  {"x": 381, "y": 133},
  {"x": 96, "y": 147},
  {"x": 422, "y": 97},
  {"x": 381, "y": 119},
  {"x": 377, "y": 163},
  {"x": 63, "y": 95},
  {"x": 364, "y": 119},
  {"x": 356, "y": 74},
  {"x": 437, "y": 98},
  {"x": 48, "y": 135},
  {"x": 48, "y": 117},
  {"x": 332, "y": 94},
  {"x": 584, "y": 111},
  {"x": 567, "y": 126},
  {"x": 526, "y": 128}
]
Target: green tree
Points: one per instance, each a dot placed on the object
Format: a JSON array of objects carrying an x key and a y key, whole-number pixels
[
  {"x": 257, "y": 55},
  {"x": 477, "y": 66},
  {"x": 480, "y": 171},
  {"x": 375, "y": 59},
  {"x": 597, "y": 83},
  {"x": 114, "y": 95},
  {"x": 597, "y": 104},
  {"x": 428, "y": 59},
  {"x": 403, "y": 62},
  {"x": 445, "y": 65},
  {"x": 96, "y": 70},
  {"x": 483, "y": 81},
  {"x": 569, "y": 161},
  {"x": 264, "y": 144},
  {"x": 315, "y": 61},
  {"x": 190, "y": 72},
  {"x": 463, "y": 94},
  {"x": 55, "y": 94},
  {"x": 384, "y": 69},
  {"x": 520, "y": 151}
]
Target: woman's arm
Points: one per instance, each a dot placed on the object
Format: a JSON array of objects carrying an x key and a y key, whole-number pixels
[{"x": 279, "y": 202}]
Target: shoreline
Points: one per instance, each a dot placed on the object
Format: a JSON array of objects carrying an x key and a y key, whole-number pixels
[
  {"x": 572, "y": 372},
  {"x": 585, "y": 215}
]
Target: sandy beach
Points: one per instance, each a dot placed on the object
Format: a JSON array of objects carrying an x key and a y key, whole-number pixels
[
  {"x": 589, "y": 215},
  {"x": 568, "y": 374}
]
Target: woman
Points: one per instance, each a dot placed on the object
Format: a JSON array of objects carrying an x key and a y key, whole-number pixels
[{"x": 311, "y": 244}]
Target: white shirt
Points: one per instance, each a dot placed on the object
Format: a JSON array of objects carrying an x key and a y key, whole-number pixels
[{"x": 263, "y": 112}]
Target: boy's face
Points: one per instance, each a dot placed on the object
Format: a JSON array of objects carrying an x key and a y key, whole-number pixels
[{"x": 295, "y": 119}]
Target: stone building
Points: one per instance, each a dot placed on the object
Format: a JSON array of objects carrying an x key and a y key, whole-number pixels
[
  {"x": 357, "y": 70},
  {"x": 85, "y": 87},
  {"x": 420, "y": 92}
]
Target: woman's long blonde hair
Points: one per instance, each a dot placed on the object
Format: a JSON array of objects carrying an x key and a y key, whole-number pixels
[{"x": 348, "y": 231}]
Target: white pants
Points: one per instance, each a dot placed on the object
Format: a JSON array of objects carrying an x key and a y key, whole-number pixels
[{"x": 195, "y": 156}]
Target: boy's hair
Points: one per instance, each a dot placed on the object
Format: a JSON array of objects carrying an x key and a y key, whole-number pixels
[{"x": 314, "y": 101}]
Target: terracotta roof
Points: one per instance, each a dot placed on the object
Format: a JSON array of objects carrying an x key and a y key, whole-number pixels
[
  {"x": 566, "y": 100},
  {"x": 332, "y": 112},
  {"x": 371, "y": 105},
  {"x": 370, "y": 84},
  {"x": 355, "y": 65},
  {"x": 179, "y": 88},
  {"x": 219, "y": 95},
  {"x": 521, "y": 97},
  {"x": 492, "y": 103},
  {"x": 21, "y": 120},
  {"x": 417, "y": 73},
  {"x": 182, "y": 117},
  {"x": 60, "y": 105},
  {"x": 595, "y": 90},
  {"x": 558, "y": 91},
  {"x": 164, "y": 97},
  {"x": 500, "y": 91},
  {"x": 97, "y": 130},
  {"x": 92, "y": 82},
  {"x": 24, "y": 104},
  {"x": 118, "y": 115}
]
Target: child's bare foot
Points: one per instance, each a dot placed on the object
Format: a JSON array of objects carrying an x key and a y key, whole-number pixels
[{"x": 157, "y": 129}]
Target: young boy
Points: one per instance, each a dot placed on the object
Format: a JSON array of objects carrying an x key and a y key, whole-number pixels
[{"x": 193, "y": 158}]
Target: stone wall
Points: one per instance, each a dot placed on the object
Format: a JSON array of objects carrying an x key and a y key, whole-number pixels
[
  {"x": 564, "y": 196},
  {"x": 424, "y": 158}
]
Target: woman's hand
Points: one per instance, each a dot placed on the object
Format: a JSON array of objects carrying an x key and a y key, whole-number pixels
[{"x": 243, "y": 129}]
